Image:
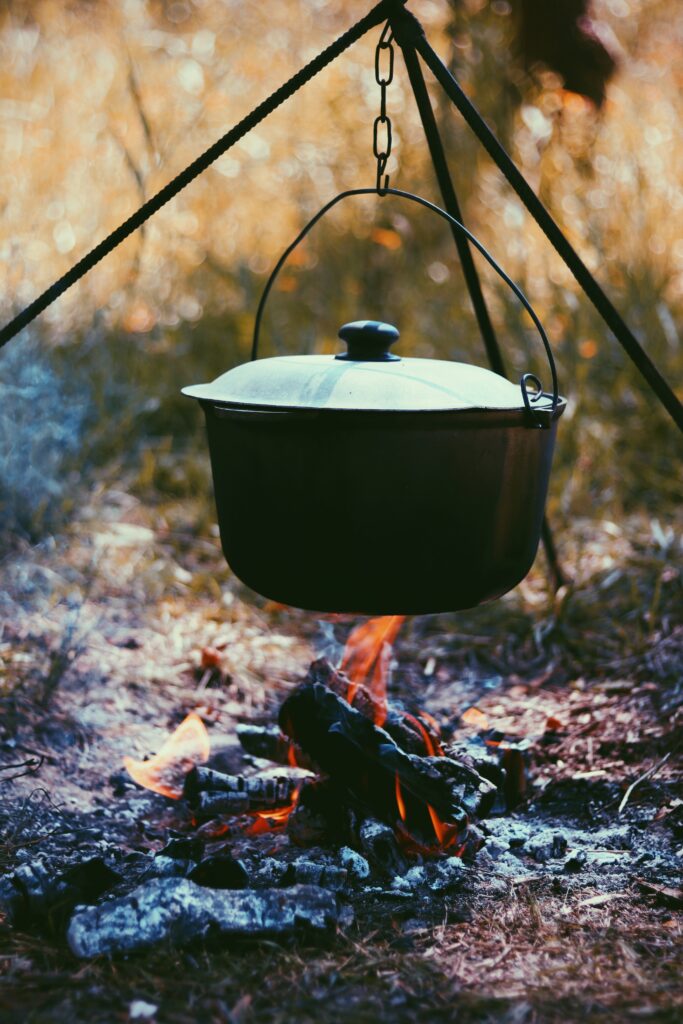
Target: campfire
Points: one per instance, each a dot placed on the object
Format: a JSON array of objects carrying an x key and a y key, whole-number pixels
[
  {"x": 353, "y": 765},
  {"x": 346, "y": 786},
  {"x": 292, "y": 824}
]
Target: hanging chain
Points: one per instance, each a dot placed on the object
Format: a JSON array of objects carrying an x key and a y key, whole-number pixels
[{"x": 381, "y": 129}]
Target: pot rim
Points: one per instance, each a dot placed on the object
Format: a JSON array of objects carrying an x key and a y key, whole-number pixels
[{"x": 435, "y": 418}]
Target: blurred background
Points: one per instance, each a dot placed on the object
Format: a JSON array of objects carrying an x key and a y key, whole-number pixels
[{"x": 101, "y": 103}]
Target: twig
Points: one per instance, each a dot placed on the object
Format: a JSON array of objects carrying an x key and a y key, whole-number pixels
[
  {"x": 31, "y": 764},
  {"x": 646, "y": 775}
]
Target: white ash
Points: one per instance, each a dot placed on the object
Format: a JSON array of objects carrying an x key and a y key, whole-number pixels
[
  {"x": 548, "y": 845},
  {"x": 308, "y": 872},
  {"x": 178, "y": 910},
  {"x": 141, "y": 1010},
  {"x": 496, "y": 848},
  {"x": 356, "y": 865},
  {"x": 169, "y": 867},
  {"x": 435, "y": 875}
]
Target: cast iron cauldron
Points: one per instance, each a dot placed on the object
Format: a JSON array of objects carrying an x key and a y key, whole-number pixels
[{"x": 370, "y": 483}]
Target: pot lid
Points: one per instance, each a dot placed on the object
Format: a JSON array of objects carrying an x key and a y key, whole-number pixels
[{"x": 367, "y": 377}]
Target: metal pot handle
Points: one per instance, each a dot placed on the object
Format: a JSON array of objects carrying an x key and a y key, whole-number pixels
[{"x": 530, "y": 397}]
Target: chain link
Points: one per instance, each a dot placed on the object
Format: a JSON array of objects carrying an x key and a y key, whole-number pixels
[{"x": 381, "y": 129}]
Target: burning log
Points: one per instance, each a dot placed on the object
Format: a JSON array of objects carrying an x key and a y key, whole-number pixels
[
  {"x": 384, "y": 780},
  {"x": 181, "y": 911},
  {"x": 321, "y": 814},
  {"x": 210, "y": 793},
  {"x": 267, "y": 742},
  {"x": 415, "y": 736}
]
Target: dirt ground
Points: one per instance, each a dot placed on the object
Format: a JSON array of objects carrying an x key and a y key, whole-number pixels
[{"x": 100, "y": 648}]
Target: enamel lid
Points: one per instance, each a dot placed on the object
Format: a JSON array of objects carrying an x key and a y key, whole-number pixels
[{"x": 365, "y": 378}]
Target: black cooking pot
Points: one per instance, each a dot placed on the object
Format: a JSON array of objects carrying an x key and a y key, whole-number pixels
[{"x": 366, "y": 482}]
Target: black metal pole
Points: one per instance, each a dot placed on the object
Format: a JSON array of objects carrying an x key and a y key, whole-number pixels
[
  {"x": 450, "y": 201},
  {"x": 412, "y": 30}
]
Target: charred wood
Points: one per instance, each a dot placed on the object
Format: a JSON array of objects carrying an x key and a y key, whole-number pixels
[
  {"x": 180, "y": 911},
  {"x": 321, "y": 814},
  {"x": 367, "y": 763},
  {"x": 267, "y": 742},
  {"x": 35, "y": 894},
  {"x": 210, "y": 793},
  {"x": 220, "y": 871},
  {"x": 379, "y": 844},
  {"x": 401, "y": 726},
  {"x": 309, "y": 872}
]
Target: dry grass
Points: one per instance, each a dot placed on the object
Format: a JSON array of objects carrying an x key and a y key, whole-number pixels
[{"x": 525, "y": 956}]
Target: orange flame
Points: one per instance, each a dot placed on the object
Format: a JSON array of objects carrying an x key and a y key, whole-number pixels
[
  {"x": 271, "y": 821},
  {"x": 366, "y": 659},
  {"x": 432, "y": 745},
  {"x": 400, "y": 803},
  {"x": 445, "y": 834},
  {"x": 165, "y": 773}
]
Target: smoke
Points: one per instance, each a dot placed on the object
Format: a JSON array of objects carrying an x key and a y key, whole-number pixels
[{"x": 42, "y": 418}]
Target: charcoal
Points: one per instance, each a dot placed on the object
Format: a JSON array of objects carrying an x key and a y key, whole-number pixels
[
  {"x": 496, "y": 847},
  {"x": 191, "y": 848},
  {"x": 444, "y": 874},
  {"x": 308, "y": 872},
  {"x": 35, "y": 894},
  {"x": 221, "y": 871},
  {"x": 546, "y": 845},
  {"x": 179, "y": 911},
  {"x": 169, "y": 867},
  {"x": 356, "y": 865},
  {"x": 211, "y": 793},
  {"x": 474, "y": 840},
  {"x": 267, "y": 872},
  {"x": 379, "y": 844},
  {"x": 267, "y": 742},
  {"x": 575, "y": 862},
  {"x": 320, "y": 816}
]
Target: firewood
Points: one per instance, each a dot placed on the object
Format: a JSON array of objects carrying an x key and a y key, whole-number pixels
[
  {"x": 181, "y": 911},
  {"x": 267, "y": 742},
  {"x": 366, "y": 762},
  {"x": 401, "y": 726},
  {"x": 321, "y": 815},
  {"x": 210, "y": 793}
]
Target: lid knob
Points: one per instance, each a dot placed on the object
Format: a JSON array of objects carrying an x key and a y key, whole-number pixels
[{"x": 368, "y": 341}]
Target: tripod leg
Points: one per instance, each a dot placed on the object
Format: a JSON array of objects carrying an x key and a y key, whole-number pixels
[
  {"x": 411, "y": 31},
  {"x": 452, "y": 206}
]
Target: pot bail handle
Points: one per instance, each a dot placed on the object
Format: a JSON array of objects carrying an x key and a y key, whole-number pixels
[{"x": 540, "y": 417}]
